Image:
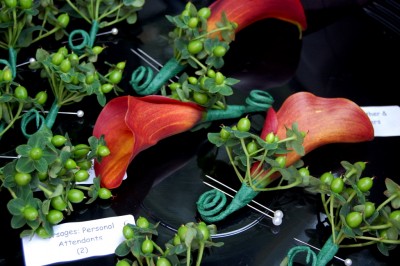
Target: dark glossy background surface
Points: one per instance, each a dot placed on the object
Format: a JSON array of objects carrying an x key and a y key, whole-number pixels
[{"x": 348, "y": 51}]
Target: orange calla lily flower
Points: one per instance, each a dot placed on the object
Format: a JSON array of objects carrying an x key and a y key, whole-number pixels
[
  {"x": 132, "y": 124},
  {"x": 325, "y": 120},
  {"x": 247, "y": 12}
]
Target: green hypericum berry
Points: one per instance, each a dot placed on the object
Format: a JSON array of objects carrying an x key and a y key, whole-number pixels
[
  {"x": 224, "y": 134},
  {"x": 195, "y": 47},
  {"x": 244, "y": 124},
  {"x": 365, "y": 184},
  {"x": 142, "y": 222},
  {"x": 204, "y": 12},
  {"x": 58, "y": 140},
  {"x": 270, "y": 138},
  {"x": 219, "y": 51},
  {"x": 104, "y": 193},
  {"x": 337, "y": 185}
]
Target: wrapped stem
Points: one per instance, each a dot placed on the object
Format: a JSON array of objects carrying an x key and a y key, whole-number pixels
[
  {"x": 88, "y": 39},
  {"x": 153, "y": 85},
  {"x": 211, "y": 203},
  {"x": 324, "y": 256}
]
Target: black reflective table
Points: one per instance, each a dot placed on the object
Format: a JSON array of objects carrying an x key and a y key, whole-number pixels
[{"x": 345, "y": 52}]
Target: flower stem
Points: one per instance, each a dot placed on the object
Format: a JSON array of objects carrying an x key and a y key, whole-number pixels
[
  {"x": 45, "y": 190},
  {"x": 200, "y": 254},
  {"x": 228, "y": 151},
  {"x": 387, "y": 201},
  {"x": 78, "y": 11},
  {"x": 188, "y": 252}
]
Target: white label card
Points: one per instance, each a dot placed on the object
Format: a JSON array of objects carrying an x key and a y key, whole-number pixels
[
  {"x": 75, "y": 241},
  {"x": 385, "y": 120}
]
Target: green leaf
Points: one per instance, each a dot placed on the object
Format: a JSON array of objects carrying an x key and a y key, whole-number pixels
[
  {"x": 46, "y": 206},
  {"x": 215, "y": 139},
  {"x": 190, "y": 235},
  {"x": 15, "y": 206},
  {"x": 6, "y": 98},
  {"x": 17, "y": 221},
  {"x": 58, "y": 191},
  {"x": 348, "y": 231},
  {"x": 383, "y": 248},
  {"x": 132, "y": 18},
  {"x": 72, "y": 87},
  {"x": 27, "y": 233},
  {"x": 41, "y": 55},
  {"x": 122, "y": 249},
  {"x": 65, "y": 154},
  {"x": 93, "y": 143},
  {"x": 392, "y": 187},
  {"x": 25, "y": 38},
  {"x": 25, "y": 165},
  {"x": 41, "y": 165},
  {"x": 49, "y": 155},
  {"x": 33, "y": 224},
  {"x": 395, "y": 203},
  {"x": 101, "y": 99},
  {"x": 66, "y": 77},
  {"x": 23, "y": 149},
  {"x": 224, "y": 90},
  {"x": 47, "y": 226},
  {"x": 6, "y": 25},
  {"x": 37, "y": 140},
  {"x": 59, "y": 35},
  {"x": 231, "y": 81},
  {"x": 55, "y": 168}
]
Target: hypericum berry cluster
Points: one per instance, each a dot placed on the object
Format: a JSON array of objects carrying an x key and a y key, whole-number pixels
[
  {"x": 190, "y": 240},
  {"x": 204, "y": 51},
  {"x": 352, "y": 215},
  {"x": 25, "y": 22},
  {"x": 14, "y": 99},
  {"x": 72, "y": 76},
  {"x": 54, "y": 166},
  {"x": 256, "y": 161}
]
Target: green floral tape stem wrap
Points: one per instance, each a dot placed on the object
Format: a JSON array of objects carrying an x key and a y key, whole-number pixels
[
  {"x": 88, "y": 39},
  {"x": 324, "y": 256},
  {"x": 257, "y": 101},
  {"x": 151, "y": 85},
  {"x": 33, "y": 114},
  {"x": 211, "y": 203},
  {"x": 12, "y": 61}
]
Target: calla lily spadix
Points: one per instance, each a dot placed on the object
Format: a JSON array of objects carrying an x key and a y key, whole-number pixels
[
  {"x": 132, "y": 124},
  {"x": 245, "y": 13}
]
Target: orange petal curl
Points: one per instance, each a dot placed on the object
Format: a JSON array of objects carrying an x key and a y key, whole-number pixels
[
  {"x": 132, "y": 124},
  {"x": 325, "y": 120},
  {"x": 244, "y": 13}
]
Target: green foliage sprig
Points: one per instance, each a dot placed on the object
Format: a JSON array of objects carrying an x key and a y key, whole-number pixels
[
  {"x": 72, "y": 77},
  {"x": 260, "y": 160},
  {"x": 27, "y": 22},
  {"x": 356, "y": 220},
  {"x": 203, "y": 50},
  {"x": 185, "y": 248},
  {"x": 54, "y": 166},
  {"x": 106, "y": 12}
]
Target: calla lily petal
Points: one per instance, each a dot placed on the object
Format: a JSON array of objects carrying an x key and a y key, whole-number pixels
[
  {"x": 132, "y": 124},
  {"x": 247, "y": 12},
  {"x": 325, "y": 120},
  {"x": 270, "y": 123}
]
